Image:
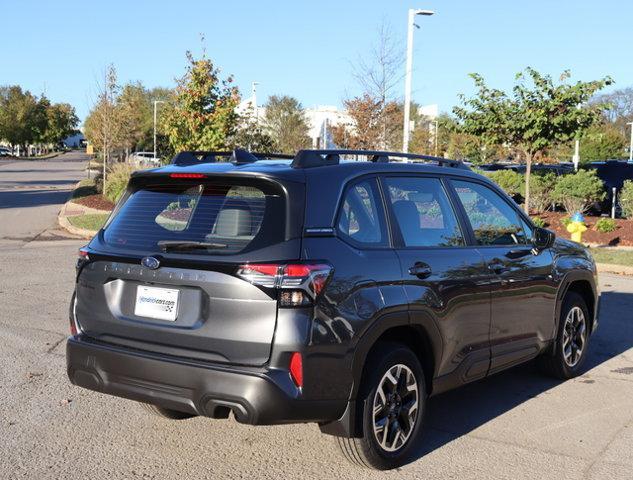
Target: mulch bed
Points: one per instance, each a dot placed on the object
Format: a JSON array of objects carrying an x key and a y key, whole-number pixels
[
  {"x": 623, "y": 235},
  {"x": 95, "y": 201}
]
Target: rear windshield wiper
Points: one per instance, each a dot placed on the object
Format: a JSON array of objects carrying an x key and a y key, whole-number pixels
[{"x": 187, "y": 245}]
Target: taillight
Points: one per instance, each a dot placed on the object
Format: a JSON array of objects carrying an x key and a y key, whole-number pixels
[
  {"x": 187, "y": 175},
  {"x": 82, "y": 257},
  {"x": 299, "y": 284},
  {"x": 296, "y": 369}
]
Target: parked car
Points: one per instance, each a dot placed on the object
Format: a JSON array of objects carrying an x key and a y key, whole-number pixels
[
  {"x": 145, "y": 157},
  {"x": 5, "y": 152},
  {"x": 556, "y": 168},
  {"x": 542, "y": 168},
  {"x": 317, "y": 289},
  {"x": 613, "y": 173}
]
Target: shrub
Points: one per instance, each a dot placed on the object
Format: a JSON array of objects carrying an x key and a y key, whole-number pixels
[
  {"x": 510, "y": 181},
  {"x": 116, "y": 181},
  {"x": 539, "y": 222},
  {"x": 626, "y": 199},
  {"x": 605, "y": 225},
  {"x": 565, "y": 221},
  {"x": 578, "y": 191},
  {"x": 85, "y": 188},
  {"x": 541, "y": 191}
]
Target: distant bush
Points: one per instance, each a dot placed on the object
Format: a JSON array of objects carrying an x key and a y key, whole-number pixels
[
  {"x": 539, "y": 222},
  {"x": 541, "y": 191},
  {"x": 605, "y": 225},
  {"x": 578, "y": 191},
  {"x": 116, "y": 181},
  {"x": 510, "y": 181},
  {"x": 626, "y": 199}
]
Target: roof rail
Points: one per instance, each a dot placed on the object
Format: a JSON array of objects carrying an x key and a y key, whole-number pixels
[
  {"x": 237, "y": 156},
  {"x": 321, "y": 158}
]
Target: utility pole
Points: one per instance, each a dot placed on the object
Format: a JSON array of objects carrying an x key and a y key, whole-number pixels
[
  {"x": 576, "y": 157},
  {"x": 408, "y": 74},
  {"x": 631, "y": 146},
  {"x": 254, "y": 101}
]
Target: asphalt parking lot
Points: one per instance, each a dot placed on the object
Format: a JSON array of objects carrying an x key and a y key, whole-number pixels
[{"x": 515, "y": 425}]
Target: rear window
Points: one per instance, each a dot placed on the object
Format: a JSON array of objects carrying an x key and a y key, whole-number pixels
[{"x": 229, "y": 217}]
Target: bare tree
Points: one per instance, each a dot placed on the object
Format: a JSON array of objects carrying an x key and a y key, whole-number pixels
[
  {"x": 103, "y": 125},
  {"x": 378, "y": 74}
]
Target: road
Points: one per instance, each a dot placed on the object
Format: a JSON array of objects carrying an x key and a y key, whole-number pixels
[
  {"x": 515, "y": 425},
  {"x": 31, "y": 193}
]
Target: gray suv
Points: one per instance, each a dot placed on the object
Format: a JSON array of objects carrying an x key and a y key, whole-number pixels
[{"x": 338, "y": 287}]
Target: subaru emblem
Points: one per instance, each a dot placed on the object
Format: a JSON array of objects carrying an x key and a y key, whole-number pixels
[{"x": 150, "y": 262}]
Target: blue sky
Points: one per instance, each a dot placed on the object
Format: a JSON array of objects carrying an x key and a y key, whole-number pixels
[{"x": 304, "y": 48}]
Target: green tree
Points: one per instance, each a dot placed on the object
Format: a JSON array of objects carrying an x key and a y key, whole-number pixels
[
  {"x": 62, "y": 121},
  {"x": 202, "y": 115},
  {"x": 22, "y": 116},
  {"x": 286, "y": 123},
  {"x": 602, "y": 142},
  {"x": 538, "y": 114},
  {"x": 135, "y": 114},
  {"x": 252, "y": 135}
]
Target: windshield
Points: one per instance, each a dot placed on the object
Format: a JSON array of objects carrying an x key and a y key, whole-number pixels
[{"x": 222, "y": 218}]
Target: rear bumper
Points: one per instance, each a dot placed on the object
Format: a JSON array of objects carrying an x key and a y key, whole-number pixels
[{"x": 262, "y": 397}]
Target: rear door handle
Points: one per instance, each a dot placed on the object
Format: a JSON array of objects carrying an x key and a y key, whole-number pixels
[{"x": 420, "y": 270}]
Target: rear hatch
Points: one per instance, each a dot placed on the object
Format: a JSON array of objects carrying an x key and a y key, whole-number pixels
[{"x": 161, "y": 275}]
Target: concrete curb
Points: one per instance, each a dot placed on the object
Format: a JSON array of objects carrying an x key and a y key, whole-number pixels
[
  {"x": 62, "y": 217},
  {"x": 43, "y": 157},
  {"x": 63, "y": 222},
  {"x": 611, "y": 268}
]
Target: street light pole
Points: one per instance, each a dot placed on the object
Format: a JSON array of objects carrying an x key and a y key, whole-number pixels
[
  {"x": 576, "y": 157},
  {"x": 156, "y": 102},
  {"x": 631, "y": 146},
  {"x": 436, "y": 138},
  {"x": 409, "y": 70}
]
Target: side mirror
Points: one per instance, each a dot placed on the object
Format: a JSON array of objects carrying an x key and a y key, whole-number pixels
[{"x": 543, "y": 238}]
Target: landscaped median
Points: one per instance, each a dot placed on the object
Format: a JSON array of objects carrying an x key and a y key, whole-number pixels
[
  {"x": 614, "y": 260},
  {"x": 86, "y": 211}
]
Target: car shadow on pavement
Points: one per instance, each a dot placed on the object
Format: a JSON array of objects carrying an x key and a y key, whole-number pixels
[
  {"x": 35, "y": 183},
  {"x": 32, "y": 198},
  {"x": 458, "y": 412}
]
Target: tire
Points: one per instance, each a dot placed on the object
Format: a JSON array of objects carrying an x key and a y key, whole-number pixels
[
  {"x": 166, "y": 412},
  {"x": 400, "y": 362},
  {"x": 572, "y": 342}
]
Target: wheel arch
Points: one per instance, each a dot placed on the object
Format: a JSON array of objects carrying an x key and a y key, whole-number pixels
[
  {"x": 583, "y": 283},
  {"x": 422, "y": 338}
]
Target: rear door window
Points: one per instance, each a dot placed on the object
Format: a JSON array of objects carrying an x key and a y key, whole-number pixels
[
  {"x": 230, "y": 217},
  {"x": 423, "y": 212},
  {"x": 361, "y": 218}
]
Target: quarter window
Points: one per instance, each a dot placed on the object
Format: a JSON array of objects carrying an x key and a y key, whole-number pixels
[
  {"x": 361, "y": 218},
  {"x": 493, "y": 220},
  {"x": 423, "y": 212}
]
